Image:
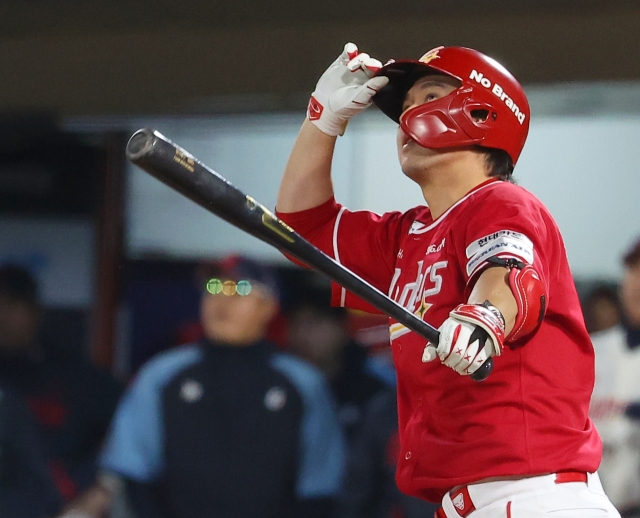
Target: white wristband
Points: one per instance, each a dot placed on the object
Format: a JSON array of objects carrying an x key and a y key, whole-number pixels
[{"x": 324, "y": 120}]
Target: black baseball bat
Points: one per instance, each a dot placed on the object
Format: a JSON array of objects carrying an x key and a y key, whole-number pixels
[{"x": 154, "y": 153}]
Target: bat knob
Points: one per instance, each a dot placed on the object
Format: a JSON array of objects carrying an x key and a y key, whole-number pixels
[
  {"x": 140, "y": 143},
  {"x": 483, "y": 372}
]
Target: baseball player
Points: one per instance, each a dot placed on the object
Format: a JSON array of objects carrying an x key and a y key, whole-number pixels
[
  {"x": 484, "y": 263},
  {"x": 615, "y": 403}
]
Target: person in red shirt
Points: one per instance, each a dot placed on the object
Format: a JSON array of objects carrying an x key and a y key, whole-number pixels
[{"x": 484, "y": 262}]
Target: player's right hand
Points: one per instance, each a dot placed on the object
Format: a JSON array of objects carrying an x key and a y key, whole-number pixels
[
  {"x": 468, "y": 338},
  {"x": 345, "y": 89}
]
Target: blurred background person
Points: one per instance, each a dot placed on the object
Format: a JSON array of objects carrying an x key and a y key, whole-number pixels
[
  {"x": 601, "y": 308},
  {"x": 71, "y": 401},
  {"x": 26, "y": 487},
  {"x": 227, "y": 427},
  {"x": 364, "y": 388},
  {"x": 370, "y": 489},
  {"x": 320, "y": 334},
  {"x": 615, "y": 405},
  {"x": 366, "y": 397}
]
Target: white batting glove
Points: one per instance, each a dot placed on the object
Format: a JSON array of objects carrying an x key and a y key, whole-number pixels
[
  {"x": 469, "y": 337},
  {"x": 345, "y": 89}
]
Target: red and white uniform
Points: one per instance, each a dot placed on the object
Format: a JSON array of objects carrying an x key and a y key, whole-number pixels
[
  {"x": 617, "y": 385},
  {"x": 531, "y": 415}
]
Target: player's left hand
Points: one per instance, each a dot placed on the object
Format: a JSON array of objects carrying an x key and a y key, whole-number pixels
[
  {"x": 469, "y": 337},
  {"x": 345, "y": 89}
]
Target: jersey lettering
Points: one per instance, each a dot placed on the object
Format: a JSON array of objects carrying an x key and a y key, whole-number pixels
[
  {"x": 392, "y": 287},
  {"x": 414, "y": 294},
  {"x": 436, "y": 248},
  {"x": 411, "y": 288},
  {"x": 436, "y": 279}
]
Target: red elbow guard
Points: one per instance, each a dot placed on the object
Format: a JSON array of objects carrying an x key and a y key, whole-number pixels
[
  {"x": 530, "y": 294},
  {"x": 531, "y": 297}
]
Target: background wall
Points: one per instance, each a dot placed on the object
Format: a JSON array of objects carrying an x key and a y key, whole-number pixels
[
  {"x": 581, "y": 162},
  {"x": 159, "y": 56}
]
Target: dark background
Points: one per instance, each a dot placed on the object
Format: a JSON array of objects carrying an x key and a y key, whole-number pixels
[{"x": 81, "y": 58}]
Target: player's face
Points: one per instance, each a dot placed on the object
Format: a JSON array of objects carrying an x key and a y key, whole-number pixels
[
  {"x": 237, "y": 319},
  {"x": 413, "y": 157},
  {"x": 630, "y": 294}
]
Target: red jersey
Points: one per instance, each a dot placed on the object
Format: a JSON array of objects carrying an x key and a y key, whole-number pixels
[{"x": 531, "y": 415}]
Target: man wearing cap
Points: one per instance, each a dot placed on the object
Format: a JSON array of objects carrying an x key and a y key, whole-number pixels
[
  {"x": 615, "y": 406},
  {"x": 227, "y": 427}
]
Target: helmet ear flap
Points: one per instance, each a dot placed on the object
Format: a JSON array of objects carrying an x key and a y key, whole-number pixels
[
  {"x": 458, "y": 119},
  {"x": 473, "y": 117}
]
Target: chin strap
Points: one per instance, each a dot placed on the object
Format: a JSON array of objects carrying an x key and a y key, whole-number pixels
[{"x": 530, "y": 294}]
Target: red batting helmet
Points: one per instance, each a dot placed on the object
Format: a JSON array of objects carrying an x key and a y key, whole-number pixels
[{"x": 489, "y": 108}]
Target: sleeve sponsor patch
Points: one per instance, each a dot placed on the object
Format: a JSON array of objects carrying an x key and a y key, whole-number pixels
[{"x": 504, "y": 243}]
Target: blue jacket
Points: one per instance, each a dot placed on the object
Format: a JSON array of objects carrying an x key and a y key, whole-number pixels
[{"x": 228, "y": 432}]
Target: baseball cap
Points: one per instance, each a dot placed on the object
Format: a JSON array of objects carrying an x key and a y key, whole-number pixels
[
  {"x": 632, "y": 256},
  {"x": 240, "y": 268}
]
